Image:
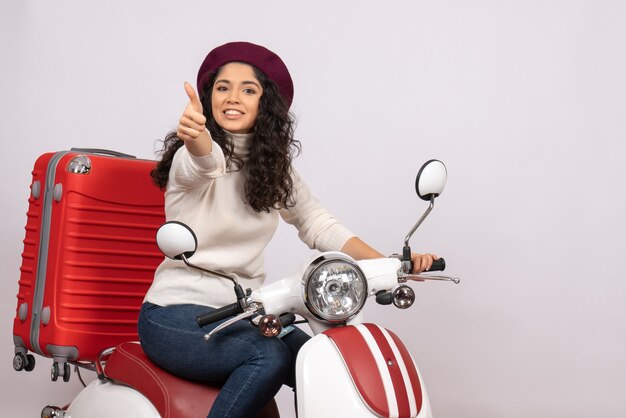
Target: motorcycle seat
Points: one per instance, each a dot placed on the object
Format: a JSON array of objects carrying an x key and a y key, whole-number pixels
[{"x": 172, "y": 396}]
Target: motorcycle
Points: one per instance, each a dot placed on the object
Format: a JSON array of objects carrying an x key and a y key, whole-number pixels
[{"x": 348, "y": 368}]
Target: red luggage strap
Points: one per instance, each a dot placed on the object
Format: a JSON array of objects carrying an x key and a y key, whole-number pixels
[{"x": 171, "y": 395}]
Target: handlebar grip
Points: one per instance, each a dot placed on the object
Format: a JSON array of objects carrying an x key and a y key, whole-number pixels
[
  {"x": 287, "y": 319},
  {"x": 384, "y": 297},
  {"x": 218, "y": 314},
  {"x": 438, "y": 265}
]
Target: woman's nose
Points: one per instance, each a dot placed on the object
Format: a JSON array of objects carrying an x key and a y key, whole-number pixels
[{"x": 233, "y": 97}]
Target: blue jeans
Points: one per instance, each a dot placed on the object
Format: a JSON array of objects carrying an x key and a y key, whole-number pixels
[{"x": 251, "y": 367}]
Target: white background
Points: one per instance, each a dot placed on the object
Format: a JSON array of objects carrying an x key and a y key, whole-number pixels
[{"x": 523, "y": 100}]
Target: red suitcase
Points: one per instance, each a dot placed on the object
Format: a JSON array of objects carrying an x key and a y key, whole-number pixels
[{"x": 89, "y": 256}]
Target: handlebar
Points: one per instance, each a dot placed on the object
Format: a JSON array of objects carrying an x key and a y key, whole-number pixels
[
  {"x": 438, "y": 265},
  {"x": 218, "y": 314}
]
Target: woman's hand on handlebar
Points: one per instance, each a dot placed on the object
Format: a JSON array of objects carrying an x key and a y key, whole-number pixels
[{"x": 422, "y": 262}]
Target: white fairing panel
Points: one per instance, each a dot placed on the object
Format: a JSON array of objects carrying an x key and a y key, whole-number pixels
[
  {"x": 105, "y": 400},
  {"x": 381, "y": 273},
  {"x": 324, "y": 386}
]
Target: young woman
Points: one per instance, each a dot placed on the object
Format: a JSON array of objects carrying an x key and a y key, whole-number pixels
[{"x": 228, "y": 175}]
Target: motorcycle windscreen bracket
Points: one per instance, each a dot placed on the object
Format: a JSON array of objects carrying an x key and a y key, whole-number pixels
[{"x": 381, "y": 368}]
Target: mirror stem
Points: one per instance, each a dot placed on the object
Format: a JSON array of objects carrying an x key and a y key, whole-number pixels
[
  {"x": 412, "y": 231},
  {"x": 239, "y": 292},
  {"x": 215, "y": 273}
]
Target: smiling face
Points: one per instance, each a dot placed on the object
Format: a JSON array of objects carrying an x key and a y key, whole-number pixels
[{"x": 235, "y": 97}]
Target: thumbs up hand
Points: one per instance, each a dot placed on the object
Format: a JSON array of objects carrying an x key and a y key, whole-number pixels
[{"x": 191, "y": 126}]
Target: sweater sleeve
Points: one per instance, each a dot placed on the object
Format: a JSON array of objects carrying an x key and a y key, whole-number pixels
[
  {"x": 316, "y": 227},
  {"x": 189, "y": 171}
]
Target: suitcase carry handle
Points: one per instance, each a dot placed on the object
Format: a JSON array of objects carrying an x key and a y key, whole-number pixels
[{"x": 103, "y": 151}]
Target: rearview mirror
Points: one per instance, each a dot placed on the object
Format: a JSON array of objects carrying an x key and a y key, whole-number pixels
[
  {"x": 176, "y": 240},
  {"x": 431, "y": 179}
]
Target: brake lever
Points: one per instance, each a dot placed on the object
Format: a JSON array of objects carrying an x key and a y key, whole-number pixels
[
  {"x": 422, "y": 277},
  {"x": 251, "y": 310}
]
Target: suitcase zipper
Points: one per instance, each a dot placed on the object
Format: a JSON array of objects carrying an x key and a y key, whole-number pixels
[{"x": 42, "y": 259}]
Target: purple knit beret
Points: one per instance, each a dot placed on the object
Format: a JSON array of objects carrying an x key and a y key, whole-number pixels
[{"x": 262, "y": 58}]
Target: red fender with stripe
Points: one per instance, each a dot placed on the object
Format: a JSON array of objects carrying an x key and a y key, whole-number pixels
[{"x": 381, "y": 368}]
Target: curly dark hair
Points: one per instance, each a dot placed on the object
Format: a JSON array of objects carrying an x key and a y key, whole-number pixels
[{"x": 268, "y": 184}]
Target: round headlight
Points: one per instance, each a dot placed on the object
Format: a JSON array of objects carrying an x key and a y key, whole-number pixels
[{"x": 334, "y": 288}]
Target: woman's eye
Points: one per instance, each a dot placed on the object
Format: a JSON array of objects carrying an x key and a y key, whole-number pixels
[
  {"x": 221, "y": 88},
  {"x": 249, "y": 91}
]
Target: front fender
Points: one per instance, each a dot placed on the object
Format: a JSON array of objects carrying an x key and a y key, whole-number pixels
[{"x": 359, "y": 371}]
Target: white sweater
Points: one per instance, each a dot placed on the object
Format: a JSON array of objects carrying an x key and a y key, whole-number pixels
[{"x": 231, "y": 236}]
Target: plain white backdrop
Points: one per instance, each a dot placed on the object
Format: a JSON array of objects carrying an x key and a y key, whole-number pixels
[{"x": 523, "y": 100}]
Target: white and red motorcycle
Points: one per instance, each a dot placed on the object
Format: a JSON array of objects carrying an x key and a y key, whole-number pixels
[{"x": 348, "y": 369}]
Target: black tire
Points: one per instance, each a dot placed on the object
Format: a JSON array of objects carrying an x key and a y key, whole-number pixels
[
  {"x": 19, "y": 362},
  {"x": 54, "y": 372},
  {"x": 30, "y": 363},
  {"x": 66, "y": 372}
]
